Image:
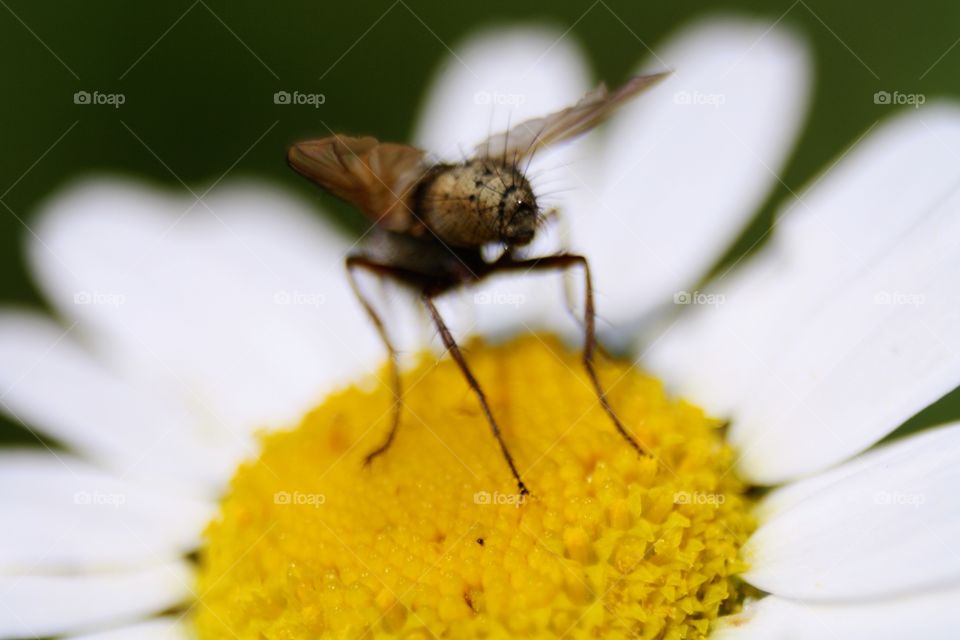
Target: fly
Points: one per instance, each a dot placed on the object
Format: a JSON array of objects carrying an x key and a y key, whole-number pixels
[{"x": 433, "y": 221}]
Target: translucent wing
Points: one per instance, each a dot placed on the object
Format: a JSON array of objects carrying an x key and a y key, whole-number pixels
[
  {"x": 373, "y": 176},
  {"x": 524, "y": 138}
]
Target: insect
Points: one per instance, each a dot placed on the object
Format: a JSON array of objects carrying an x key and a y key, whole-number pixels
[{"x": 434, "y": 221}]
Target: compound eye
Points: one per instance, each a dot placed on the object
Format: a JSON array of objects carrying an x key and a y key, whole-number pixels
[{"x": 523, "y": 205}]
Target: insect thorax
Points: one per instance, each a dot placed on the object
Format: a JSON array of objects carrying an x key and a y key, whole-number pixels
[{"x": 478, "y": 202}]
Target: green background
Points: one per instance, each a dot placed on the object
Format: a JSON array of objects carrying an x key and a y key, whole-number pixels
[{"x": 199, "y": 79}]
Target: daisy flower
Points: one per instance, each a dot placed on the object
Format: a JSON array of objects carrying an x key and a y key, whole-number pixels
[{"x": 198, "y": 375}]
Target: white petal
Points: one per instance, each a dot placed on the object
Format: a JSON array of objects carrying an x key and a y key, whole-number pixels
[
  {"x": 62, "y": 515},
  {"x": 158, "y": 629},
  {"x": 495, "y": 79},
  {"x": 32, "y": 606},
  {"x": 56, "y": 386},
  {"x": 884, "y": 526},
  {"x": 930, "y": 616},
  {"x": 689, "y": 162},
  {"x": 784, "y": 498},
  {"x": 498, "y": 77},
  {"x": 851, "y": 303},
  {"x": 239, "y": 301}
]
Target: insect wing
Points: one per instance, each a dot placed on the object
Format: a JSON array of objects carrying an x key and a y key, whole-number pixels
[
  {"x": 375, "y": 177},
  {"x": 530, "y": 135}
]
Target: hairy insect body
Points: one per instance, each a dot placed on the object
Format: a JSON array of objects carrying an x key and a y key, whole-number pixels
[{"x": 477, "y": 203}]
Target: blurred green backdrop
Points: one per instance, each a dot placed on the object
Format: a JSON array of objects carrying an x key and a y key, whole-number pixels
[{"x": 198, "y": 77}]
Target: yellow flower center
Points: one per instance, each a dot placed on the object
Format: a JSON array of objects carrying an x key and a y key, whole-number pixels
[{"x": 432, "y": 540}]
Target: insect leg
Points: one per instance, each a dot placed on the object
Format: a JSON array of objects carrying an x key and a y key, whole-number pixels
[
  {"x": 358, "y": 262},
  {"x": 451, "y": 345},
  {"x": 565, "y": 261},
  {"x": 553, "y": 215}
]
